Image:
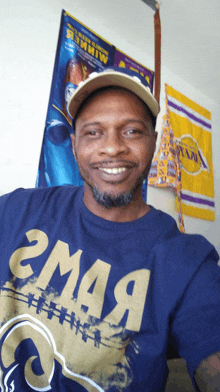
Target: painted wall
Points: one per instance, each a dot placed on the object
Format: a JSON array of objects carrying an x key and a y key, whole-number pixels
[{"x": 29, "y": 32}]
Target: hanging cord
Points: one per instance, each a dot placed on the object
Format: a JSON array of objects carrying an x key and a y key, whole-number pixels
[{"x": 157, "y": 54}]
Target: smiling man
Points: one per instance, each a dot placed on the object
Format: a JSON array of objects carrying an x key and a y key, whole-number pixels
[{"x": 97, "y": 287}]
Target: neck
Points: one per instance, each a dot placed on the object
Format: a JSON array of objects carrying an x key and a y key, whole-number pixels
[{"x": 134, "y": 210}]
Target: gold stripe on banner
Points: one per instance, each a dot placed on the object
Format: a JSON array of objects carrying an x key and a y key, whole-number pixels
[{"x": 198, "y": 212}]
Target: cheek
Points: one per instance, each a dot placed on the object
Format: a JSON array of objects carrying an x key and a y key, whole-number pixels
[
  {"x": 144, "y": 153},
  {"x": 83, "y": 152}
]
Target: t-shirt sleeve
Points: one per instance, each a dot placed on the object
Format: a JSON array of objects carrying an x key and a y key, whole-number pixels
[
  {"x": 3, "y": 202},
  {"x": 4, "y": 199},
  {"x": 195, "y": 324}
]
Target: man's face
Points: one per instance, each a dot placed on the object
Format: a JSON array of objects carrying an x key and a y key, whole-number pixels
[{"x": 114, "y": 143}]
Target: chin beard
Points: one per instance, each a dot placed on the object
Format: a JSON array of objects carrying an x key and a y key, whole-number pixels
[{"x": 107, "y": 200}]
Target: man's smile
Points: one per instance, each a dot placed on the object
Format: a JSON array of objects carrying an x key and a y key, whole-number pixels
[
  {"x": 114, "y": 170},
  {"x": 117, "y": 170},
  {"x": 114, "y": 174}
]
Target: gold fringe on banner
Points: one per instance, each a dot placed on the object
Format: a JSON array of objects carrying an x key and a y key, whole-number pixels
[{"x": 165, "y": 169}]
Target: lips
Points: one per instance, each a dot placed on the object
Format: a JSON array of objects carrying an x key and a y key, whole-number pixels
[{"x": 114, "y": 172}]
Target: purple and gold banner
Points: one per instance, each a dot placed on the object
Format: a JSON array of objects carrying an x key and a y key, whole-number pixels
[{"x": 186, "y": 142}]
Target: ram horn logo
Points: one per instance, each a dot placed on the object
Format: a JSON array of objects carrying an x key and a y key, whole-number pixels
[{"x": 28, "y": 353}]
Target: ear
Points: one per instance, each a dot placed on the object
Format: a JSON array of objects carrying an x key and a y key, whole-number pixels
[{"x": 73, "y": 139}]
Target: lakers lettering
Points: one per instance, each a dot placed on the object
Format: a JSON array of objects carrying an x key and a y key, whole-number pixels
[{"x": 191, "y": 156}]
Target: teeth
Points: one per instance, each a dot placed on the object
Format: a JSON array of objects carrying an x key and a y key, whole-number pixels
[{"x": 114, "y": 170}]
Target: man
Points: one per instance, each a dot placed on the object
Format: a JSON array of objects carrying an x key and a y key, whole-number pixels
[{"x": 97, "y": 285}]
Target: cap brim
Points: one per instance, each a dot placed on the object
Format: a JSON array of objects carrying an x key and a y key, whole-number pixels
[{"x": 111, "y": 78}]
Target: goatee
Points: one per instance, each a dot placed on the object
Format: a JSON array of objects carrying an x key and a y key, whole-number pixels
[{"x": 107, "y": 200}]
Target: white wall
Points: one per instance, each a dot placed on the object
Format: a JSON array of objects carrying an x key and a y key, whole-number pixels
[{"x": 29, "y": 32}]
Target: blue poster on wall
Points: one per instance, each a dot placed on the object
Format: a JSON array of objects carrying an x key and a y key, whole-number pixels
[{"x": 80, "y": 52}]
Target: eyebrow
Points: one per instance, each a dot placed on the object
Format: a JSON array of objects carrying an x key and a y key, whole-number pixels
[
  {"x": 91, "y": 123},
  {"x": 144, "y": 123},
  {"x": 130, "y": 120}
]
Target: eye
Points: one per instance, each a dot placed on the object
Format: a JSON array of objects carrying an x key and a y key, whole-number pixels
[
  {"x": 133, "y": 132},
  {"x": 93, "y": 133}
]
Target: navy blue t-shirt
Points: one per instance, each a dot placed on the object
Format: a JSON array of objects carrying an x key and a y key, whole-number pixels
[{"x": 93, "y": 305}]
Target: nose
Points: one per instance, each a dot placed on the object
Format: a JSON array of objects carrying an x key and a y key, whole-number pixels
[{"x": 113, "y": 144}]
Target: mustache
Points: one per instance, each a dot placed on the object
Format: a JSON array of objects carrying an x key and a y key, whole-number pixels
[{"x": 110, "y": 162}]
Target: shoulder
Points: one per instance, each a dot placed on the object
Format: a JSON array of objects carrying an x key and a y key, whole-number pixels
[
  {"x": 171, "y": 241},
  {"x": 37, "y": 193},
  {"x": 30, "y": 200},
  {"x": 178, "y": 254},
  {"x": 169, "y": 234}
]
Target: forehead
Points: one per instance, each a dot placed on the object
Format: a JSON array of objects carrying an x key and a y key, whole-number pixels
[{"x": 114, "y": 98}]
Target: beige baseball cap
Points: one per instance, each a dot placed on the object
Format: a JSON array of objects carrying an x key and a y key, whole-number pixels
[{"x": 114, "y": 76}]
